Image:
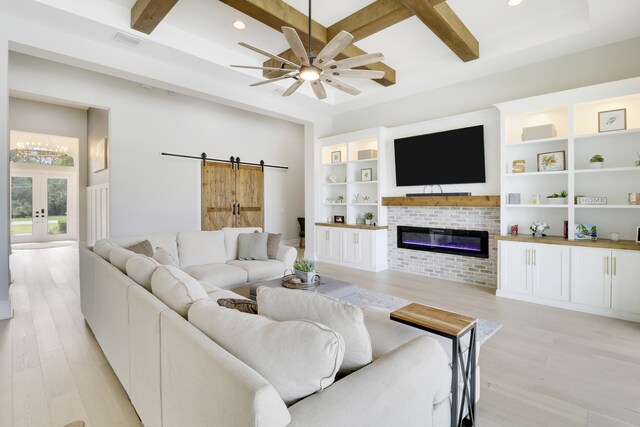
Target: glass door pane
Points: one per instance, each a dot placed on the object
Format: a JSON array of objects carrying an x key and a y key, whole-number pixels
[
  {"x": 57, "y": 206},
  {"x": 21, "y": 205}
]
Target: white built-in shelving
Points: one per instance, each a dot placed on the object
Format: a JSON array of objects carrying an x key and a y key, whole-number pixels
[{"x": 574, "y": 114}]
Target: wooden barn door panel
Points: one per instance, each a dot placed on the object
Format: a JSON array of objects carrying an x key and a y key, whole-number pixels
[
  {"x": 217, "y": 196},
  {"x": 250, "y": 196}
]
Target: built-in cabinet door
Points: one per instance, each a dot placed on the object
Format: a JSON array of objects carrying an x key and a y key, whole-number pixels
[
  {"x": 329, "y": 243},
  {"x": 625, "y": 281},
  {"x": 515, "y": 259},
  {"x": 550, "y": 271},
  {"x": 357, "y": 246},
  {"x": 591, "y": 277}
]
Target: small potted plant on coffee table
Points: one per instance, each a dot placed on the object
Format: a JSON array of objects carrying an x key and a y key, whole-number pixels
[
  {"x": 597, "y": 161},
  {"x": 558, "y": 198},
  {"x": 305, "y": 269}
]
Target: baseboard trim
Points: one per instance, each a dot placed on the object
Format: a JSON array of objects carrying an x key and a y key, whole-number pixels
[{"x": 6, "y": 312}]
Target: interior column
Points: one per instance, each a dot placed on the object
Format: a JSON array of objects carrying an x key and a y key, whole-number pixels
[{"x": 5, "y": 303}]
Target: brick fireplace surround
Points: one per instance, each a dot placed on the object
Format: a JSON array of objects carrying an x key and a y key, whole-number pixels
[{"x": 451, "y": 267}]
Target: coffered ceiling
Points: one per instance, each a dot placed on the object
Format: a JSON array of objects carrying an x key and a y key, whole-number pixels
[{"x": 200, "y": 33}]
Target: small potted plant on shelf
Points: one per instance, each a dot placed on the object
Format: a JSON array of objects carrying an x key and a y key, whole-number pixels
[
  {"x": 368, "y": 217},
  {"x": 558, "y": 198},
  {"x": 538, "y": 227},
  {"x": 366, "y": 198},
  {"x": 597, "y": 161},
  {"x": 305, "y": 269},
  {"x": 340, "y": 199}
]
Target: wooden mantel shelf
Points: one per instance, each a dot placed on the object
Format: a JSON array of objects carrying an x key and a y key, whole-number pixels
[
  {"x": 629, "y": 245},
  {"x": 463, "y": 201}
]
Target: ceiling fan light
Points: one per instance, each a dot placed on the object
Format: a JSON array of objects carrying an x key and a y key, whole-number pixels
[{"x": 310, "y": 74}]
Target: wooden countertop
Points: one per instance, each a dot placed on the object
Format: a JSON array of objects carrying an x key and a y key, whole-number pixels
[
  {"x": 360, "y": 226},
  {"x": 463, "y": 201},
  {"x": 434, "y": 319},
  {"x": 629, "y": 245}
]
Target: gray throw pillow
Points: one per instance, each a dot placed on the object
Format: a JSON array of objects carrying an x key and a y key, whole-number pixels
[
  {"x": 273, "y": 243},
  {"x": 240, "y": 304},
  {"x": 252, "y": 246},
  {"x": 143, "y": 248}
]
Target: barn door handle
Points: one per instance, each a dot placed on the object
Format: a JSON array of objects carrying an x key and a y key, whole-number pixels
[
  {"x": 234, "y": 209},
  {"x": 238, "y": 208}
]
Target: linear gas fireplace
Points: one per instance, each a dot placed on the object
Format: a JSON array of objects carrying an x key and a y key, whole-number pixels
[{"x": 445, "y": 240}]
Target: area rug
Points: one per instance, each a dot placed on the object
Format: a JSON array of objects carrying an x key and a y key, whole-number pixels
[{"x": 367, "y": 298}]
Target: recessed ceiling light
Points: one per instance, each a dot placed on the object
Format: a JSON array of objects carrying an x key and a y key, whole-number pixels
[
  {"x": 514, "y": 2},
  {"x": 239, "y": 25}
]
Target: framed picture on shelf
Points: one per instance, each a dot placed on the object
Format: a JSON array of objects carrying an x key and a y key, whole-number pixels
[
  {"x": 638, "y": 234},
  {"x": 338, "y": 219},
  {"x": 586, "y": 232},
  {"x": 612, "y": 120},
  {"x": 552, "y": 161},
  {"x": 336, "y": 156},
  {"x": 366, "y": 174}
]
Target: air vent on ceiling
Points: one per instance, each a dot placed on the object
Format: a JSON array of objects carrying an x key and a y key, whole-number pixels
[{"x": 127, "y": 39}]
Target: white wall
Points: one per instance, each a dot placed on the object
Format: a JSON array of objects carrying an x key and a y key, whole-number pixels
[
  {"x": 151, "y": 193},
  {"x": 97, "y": 129},
  {"x": 607, "y": 63},
  {"x": 490, "y": 118},
  {"x": 5, "y": 304}
]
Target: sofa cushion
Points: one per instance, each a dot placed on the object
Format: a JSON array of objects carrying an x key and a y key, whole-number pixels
[
  {"x": 297, "y": 357},
  {"x": 253, "y": 246},
  {"x": 166, "y": 241},
  {"x": 165, "y": 257},
  {"x": 218, "y": 275},
  {"x": 341, "y": 316},
  {"x": 201, "y": 247},
  {"x": 273, "y": 244},
  {"x": 140, "y": 268},
  {"x": 103, "y": 248},
  {"x": 260, "y": 270},
  {"x": 142, "y": 248},
  {"x": 231, "y": 239},
  {"x": 176, "y": 288},
  {"x": 119, "y": 257}
]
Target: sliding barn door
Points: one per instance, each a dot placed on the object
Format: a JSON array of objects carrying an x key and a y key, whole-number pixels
[
  {"x": 250, "y": 196},
  {"x": 232, "y": 196},
  {"x": 218, "y": 196}
]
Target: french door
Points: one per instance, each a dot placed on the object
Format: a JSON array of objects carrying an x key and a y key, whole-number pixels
[{"x": 40, "y": 207}]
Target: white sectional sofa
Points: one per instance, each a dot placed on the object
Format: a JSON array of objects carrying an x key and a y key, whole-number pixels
[{"x": 175, "y": 375}]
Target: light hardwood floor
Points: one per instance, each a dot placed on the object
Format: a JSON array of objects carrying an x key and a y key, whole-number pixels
[{"x": 545, "y": 367}]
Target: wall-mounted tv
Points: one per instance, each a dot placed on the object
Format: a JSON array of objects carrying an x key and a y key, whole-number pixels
[{"x": 450, "y": 157}]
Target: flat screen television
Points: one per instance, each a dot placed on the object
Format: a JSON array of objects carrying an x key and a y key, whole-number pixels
[{"x": 450, "y": 157}]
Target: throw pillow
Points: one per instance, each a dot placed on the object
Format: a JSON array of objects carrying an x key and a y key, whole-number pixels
[
  {"x": 253, "y": 246},
  {"x": 119, "y": 257},
  {"x": 240, "y": 304},
  {"x": 165, "y": 258},
  {"x": 273, "y": 244},
  {"x": 344, "y": 318},
  {"x": 103, "y": 248},
  {"x": 140, "y": 268},
  {"x": 298, "y": 357},
  {"x": 176, "y": 288},
  {"x": 142, "y": 248}
]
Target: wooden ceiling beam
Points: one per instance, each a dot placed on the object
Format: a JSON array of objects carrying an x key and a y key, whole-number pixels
[
  {"x": 445, "y": 24},
  {"x": 147, "y": 14},
  {"x": 369, "y": 20}
]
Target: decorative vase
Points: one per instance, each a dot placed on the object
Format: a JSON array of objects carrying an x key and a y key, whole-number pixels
[
  {"x": 367, "y": 221},
  {"x": 557, "y": 200},
  {"x": 597, "y": 165},
  {"x": 305, "y": 276}
]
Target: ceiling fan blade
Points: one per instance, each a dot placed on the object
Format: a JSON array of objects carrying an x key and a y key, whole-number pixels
[
  {"x": 356, "y": 61},
  {"x": 261, "y": 68},
  {"x": 296, "y": 45},
  {"x": 340, "y": 85},
  {"x": 294, "y": 87},
  {"x": 318, "y": 89},
  {"x": 270, "y": 55},
  {"x": 360, "y": 74},
  {"x": 333, "y": 48},
  {"x": 264, "y": 82}
]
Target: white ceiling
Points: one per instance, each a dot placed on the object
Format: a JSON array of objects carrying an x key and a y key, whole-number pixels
[{"x": 198, "y": 33}]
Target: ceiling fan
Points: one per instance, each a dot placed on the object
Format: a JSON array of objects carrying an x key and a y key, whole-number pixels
[{"x": 320, "y": 68}]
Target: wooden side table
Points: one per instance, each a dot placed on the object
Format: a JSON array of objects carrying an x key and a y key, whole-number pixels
[{"x": 453, "y": 326}]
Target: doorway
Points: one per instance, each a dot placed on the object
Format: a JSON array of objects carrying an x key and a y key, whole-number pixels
[{"x": 44, "y": 188}]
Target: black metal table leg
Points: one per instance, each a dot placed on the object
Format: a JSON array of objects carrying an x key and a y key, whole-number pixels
[{"x": 455, "y": 344}]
